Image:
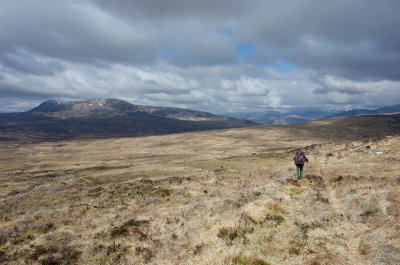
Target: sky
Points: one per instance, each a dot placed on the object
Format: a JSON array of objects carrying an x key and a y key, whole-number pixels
[{"x": 218, "y": 56}]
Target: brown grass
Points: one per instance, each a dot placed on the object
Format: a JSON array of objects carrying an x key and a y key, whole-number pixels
[{"x": 218, "y": 197}]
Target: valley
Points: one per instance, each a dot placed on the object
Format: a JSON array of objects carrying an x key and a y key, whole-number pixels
[{"x": 213, "y": 197}]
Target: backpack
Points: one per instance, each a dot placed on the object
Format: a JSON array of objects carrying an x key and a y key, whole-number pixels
[{"x": 299, "y": 159}]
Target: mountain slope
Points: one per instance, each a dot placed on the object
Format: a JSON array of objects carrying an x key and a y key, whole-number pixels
[
  {"x": 107, "y": 107},
  {"x": 349, "y": 128},
  {"x": 301, "y": 115},
  {"x": 103, "y": 118},
  {"x": 386, "y": 109},
  {"x": 272, "y": 117}
]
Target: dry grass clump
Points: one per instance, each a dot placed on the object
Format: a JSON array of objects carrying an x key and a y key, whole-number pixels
[
  {"x": 297, "y": 247},
  {"x": 312, "y": 262},
  {"x": 229, "y": 234},
  {"x": 297, "y": 190},
  {"x": 274, "y": 219}
]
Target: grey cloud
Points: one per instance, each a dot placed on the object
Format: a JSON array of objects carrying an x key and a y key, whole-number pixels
[
  {"x": 26, "y": 63},
  {"x": 183, "y": 52},
  {"x": 15, "y": 91},
  {"x": 216, "y": 89},
  {"x": 75, "y": 31},
  {"x": 173, "y": 9},
  {"x": 351, "y": 91},
  {"x": 356, "y": 39},
  {"x": 19, "y": 103},
  {"x": 200, "y": 50}
]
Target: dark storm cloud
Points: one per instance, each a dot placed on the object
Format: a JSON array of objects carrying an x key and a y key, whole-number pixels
[
  {"x": 179, "y": 9},
  {"x": 354, "y": 38},
  {"x": 74, "y": 31},
  {"x": 31, "y": 91}
]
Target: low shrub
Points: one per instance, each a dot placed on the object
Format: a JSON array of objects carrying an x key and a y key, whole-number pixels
[
  {"x": 240, "y": 260},
  {"x": 109, "y": 253},
  {"x": 147, "y": 253},
  {"x": 229, "y": 234},
  {"x": 296, "y": 247},
  {"x": 56, "y": 253},
  {"x": 131, "y": 227},
  {"x": 275, "y": 219}
]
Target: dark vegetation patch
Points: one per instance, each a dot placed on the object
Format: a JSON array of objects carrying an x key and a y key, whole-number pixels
[
  {"x": 24, "y": 232},
  {"x": 145, "y": 252},
  {"x": 229, "y": 234},
  {"x": 370, "y": 213},
  {"x": 110, "y": 253},
  {"x": 132, "y": 227},
  {"x": 321, "y": 198},
  {"x": 394, "y": 207},
  {"x": 243, "y": 199},
  {"x": 216, "y": 169},
  {"x": 178, "y": 180},
  {"x": 245, "y": 260},
  {"x": 293, "y": 182},
  {"x": 337, "y": 179},
  {"x": 145, "y": 190},
  {"x": 3, "y": 256},
  {"x": 198, "y": 249},
  {"x": 95, "y": 192},
  {"x": 274, "y": 219},
  {"x": 312, "y": 262},
  {"x": 56, "y": 253},
  {"x": 305, "y": 227},
  {"x": 317, "y": 182},
  {"x": 299, "y": 246}
]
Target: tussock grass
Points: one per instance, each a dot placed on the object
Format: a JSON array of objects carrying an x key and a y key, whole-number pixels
[{"x": 240, "y": 260}]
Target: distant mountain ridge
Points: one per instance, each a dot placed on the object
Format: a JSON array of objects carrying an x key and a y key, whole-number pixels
[
  {"x": 107, "y": 107},
  {"x": 274, "y": 117},
  {"x": 104, "y": 118},
  {"x": 301, "y": 115},
  {"x": 353, "y": 112}
]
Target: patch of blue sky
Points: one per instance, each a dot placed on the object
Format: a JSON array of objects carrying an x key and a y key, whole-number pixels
[
  {"x": 281, "y": 66},
  {"x": 169, "y": 52},
  {"x": 245, "y": 51}
]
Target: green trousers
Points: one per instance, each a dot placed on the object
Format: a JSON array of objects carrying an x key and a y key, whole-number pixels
[{"x": 299, "y": 172}]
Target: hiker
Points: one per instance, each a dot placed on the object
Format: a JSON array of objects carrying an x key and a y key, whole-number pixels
[{"x": 299, "y": 160}]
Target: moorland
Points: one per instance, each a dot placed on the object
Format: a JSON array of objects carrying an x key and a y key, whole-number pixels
[{"x": 212, "y": 197}]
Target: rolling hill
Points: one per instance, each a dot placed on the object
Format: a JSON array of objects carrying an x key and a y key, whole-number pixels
[
  {"x": 105, "y": 118},
  {"x": 349, "y": 128}
]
